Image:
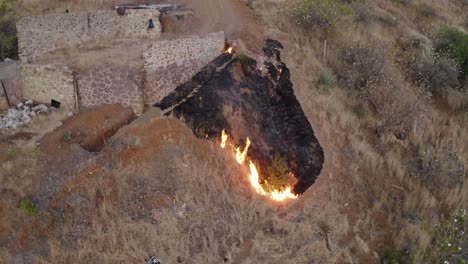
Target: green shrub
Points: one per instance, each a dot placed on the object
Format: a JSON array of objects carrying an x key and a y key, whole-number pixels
[
  {"x": 454, "y": 44},
  {"x": 278, "y": 174},
  {"x": 450, "y": 241},
  {"x": 28, "y": 207},
  {"x": 324, "y": 14},
  {"x": 327, "y": 79}
]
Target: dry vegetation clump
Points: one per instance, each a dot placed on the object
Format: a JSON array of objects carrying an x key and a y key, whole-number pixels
[
  {"x": 362, "y": 10},
  {"x": 364, "y": 67}
]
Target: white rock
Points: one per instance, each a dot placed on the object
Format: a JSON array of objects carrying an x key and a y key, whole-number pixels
[
  {"x": 29, "y": 102},
  {"x": 12, "y": 113},
  {"x": 25, "y": 119},
  {"x": 19, "y": 105},
  {"x": 40, "y": 108},
  {"x": 70, "y": 114}
]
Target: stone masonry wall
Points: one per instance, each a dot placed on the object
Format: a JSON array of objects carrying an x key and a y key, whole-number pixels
[
  {"x": 109, "y": 84},
  {"x": 169, "y": 63},
  {"x": 42, "y": 34},
  {"x": 42, "y": 83}
]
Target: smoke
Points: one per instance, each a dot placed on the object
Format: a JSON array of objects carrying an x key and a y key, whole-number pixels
[{"x": 231, "y": 16}]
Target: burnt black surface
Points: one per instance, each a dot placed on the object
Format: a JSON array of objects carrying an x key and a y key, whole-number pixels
[{"x": 264, "y": 106}]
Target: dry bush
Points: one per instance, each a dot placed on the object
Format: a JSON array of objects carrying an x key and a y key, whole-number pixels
[
  {"x": 364, "y": 66},
  {"x": 434, "y": 71},
  {"x": 362, "y": 10}
]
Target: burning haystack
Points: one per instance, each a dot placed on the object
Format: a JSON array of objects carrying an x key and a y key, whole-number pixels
[{"x": 252, "y": 109}]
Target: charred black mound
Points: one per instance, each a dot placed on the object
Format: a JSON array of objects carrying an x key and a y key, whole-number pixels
[{"x": 248, "y": 100}]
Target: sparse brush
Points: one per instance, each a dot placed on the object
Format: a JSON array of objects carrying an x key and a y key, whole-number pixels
[
  {"x": 322, "y": 14},
  {"x": 362, "y": 10},
  {"x": 327, "y": 79},
  {"x": 28, "y": 207}
]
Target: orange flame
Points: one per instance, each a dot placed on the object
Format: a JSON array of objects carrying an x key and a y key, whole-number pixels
[
  {"x": 254, "y": 177},
  {"x": 230, "y": 50},
  {"x": 240, "y": 156},
  {"x": 224, "y": 138}
]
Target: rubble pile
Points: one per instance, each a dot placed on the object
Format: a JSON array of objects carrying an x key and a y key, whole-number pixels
[{"x": 23, "y": 114}]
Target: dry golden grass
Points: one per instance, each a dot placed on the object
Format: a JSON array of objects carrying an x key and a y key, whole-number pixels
[
  {"x": 213, "y": 217},
  {"x": 381, "y": 167}
]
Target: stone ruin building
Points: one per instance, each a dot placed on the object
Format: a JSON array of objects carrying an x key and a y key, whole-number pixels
[{"x": 132, "y": 56}]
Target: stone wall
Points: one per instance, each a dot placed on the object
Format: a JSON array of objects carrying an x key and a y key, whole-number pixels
[
  {"x": 9, "y": 79},
  {"x": 169, "y": 63},
  {"x": 42, "y": 34},
  {"x": 42, "y": 83},
  {"x": 109, "y": 84}
]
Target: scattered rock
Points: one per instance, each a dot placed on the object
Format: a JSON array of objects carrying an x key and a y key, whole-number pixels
[{"x": 22, "y": 114}]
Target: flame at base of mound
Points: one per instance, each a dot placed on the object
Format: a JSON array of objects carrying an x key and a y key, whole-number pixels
[{"x": 254, "y": 177}]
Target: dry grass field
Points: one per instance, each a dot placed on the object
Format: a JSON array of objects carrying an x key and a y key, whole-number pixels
[{"x": 392, "y": 188}]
